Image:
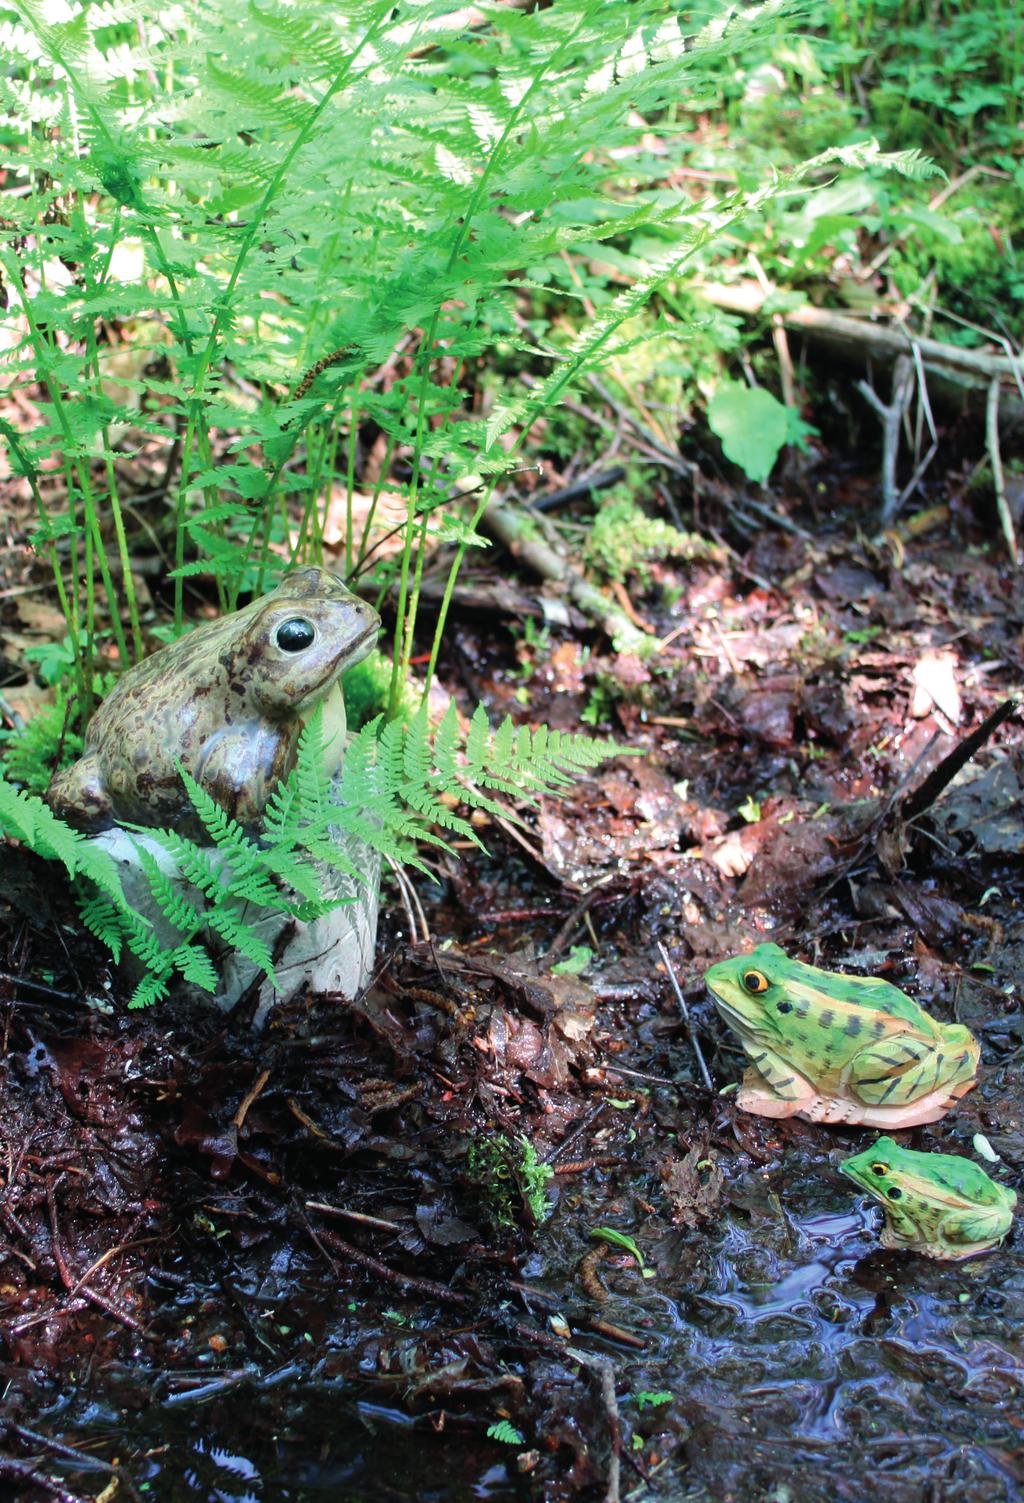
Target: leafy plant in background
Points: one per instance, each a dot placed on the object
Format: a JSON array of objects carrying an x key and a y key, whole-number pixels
[
  {"x": 506, "y": 1432},
  {"x": 274, "y": 207},
  {"x": 754, "y": 427},
  {"x": 510, "y": 1176}
]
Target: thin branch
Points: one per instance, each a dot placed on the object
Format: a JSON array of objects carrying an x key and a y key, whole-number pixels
[{"x": 687, "y": 1019}]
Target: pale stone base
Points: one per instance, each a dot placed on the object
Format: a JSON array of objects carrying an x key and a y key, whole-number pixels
[{"x": 332, "y": 954}]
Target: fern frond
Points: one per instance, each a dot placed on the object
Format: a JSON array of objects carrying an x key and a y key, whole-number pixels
[
  {"x": 170, "y": 900},
  {"x": 237, "y": 935},
  {"x": 196, "y": 966},
  {"x": 101, "y": 918},
  {"x": 153, "y": 987}
]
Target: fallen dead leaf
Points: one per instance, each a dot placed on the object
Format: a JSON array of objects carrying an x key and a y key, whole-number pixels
[
  {"x": 935, "y": 687},
  {"x": 391, "y": 512},
  {"x": 733, "y": 853},
  {"x": 38, "y": 615},
  {"x": 693, "y": 1199}
]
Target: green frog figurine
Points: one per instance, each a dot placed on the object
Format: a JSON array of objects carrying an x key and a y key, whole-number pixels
[
  {"x": 937, "y": 1204},
  {"x": 228, "y": 702},
  {"x": 834, "y": 1048}
]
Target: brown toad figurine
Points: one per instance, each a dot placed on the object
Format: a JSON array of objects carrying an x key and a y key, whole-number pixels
[{"x": 228, "y": 702}]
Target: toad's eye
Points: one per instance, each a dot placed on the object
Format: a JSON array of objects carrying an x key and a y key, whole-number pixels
[
  {"x": 294, "y": 635},
  {"x": 879, "y": 1168},
  {"x": 755, "y": 982}
]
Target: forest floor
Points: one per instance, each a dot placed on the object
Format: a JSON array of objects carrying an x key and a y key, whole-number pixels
[{"x": 302, "y": 1264}]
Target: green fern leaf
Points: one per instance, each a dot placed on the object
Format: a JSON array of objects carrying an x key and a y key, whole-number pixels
[{"x": 196, "y": 966}]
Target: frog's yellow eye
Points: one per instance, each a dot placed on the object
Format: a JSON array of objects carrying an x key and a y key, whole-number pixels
[
  {"x": 756, "y": 982},
  {"x": 294, "y": 635},
  {"x": 879, "y": 1168}
]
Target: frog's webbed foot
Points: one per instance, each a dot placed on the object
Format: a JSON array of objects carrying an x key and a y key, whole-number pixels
[
  {"x": 79, "y": 796},
  {"x": 772, "y": 1088}
]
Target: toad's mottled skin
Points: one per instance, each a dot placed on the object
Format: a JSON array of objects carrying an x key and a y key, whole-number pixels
[
  {"x": 227, "y": 702},
  {"x": 937, "y": 1204},
  {"x": 837, "y": 1048}
]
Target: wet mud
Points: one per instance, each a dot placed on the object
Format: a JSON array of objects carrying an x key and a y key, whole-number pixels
[{"x": 314, "y": 1263}]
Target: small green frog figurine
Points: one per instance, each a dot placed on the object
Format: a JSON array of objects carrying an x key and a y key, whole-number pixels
[
  {"x": 835, "y": 1048},
  {"x": 937, "y": 1204}
]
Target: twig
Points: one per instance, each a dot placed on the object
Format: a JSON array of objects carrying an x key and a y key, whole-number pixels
[
  {"x": 404, "y": 1281},
  {"x": 687, "y": 1019},
  {"x": 605, "y": 1374},
  {"x": 925, "y": 412},
  {"x": 86, "y": 1461},
  {"x": 104, "y": 1258},
  {"x": 616, "y": 1069},
  {"x": 37, "y": 986},
  {"x": 577, "y": 1318},
  {"x": 943, "y": 774},
  {"x": 23, "y": 1472},
  {"x": 75, "y": 1287},
  {"x": 249, "y": 1097},
  {"x": 516, "y": 532},
  {"x": 892, "y": 421},
  {"x": 579, "y": 488},
  {"x": 360, "y": 1216},
  {"x": 779, "y": 338},
  {"x": 572, "y": 1136},
  {"x": 574, "y": 919},
  {"x": 996, "y": 461},
  {"x": 771, "y": 515},
  {"x": 883, "y": 341}
]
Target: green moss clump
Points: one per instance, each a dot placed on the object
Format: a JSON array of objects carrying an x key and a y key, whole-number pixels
[
  {"x": 624, "y": 540},
  {"x": 365, "y": 687}
]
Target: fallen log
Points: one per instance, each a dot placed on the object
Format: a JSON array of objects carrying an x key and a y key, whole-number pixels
[{"x": 958, "y": 379}]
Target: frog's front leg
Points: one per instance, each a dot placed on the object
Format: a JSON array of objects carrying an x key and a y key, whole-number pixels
[
  {"x": 899, "y": 1231},
  {"x": 239, "y": 765},
  {"x": 772, "y": 1087}
]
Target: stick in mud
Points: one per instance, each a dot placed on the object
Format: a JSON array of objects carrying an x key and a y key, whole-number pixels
[{"x": 702, "y": 1066}]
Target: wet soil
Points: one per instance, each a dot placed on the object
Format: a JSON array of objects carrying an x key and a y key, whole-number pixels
[{"x": 308, "y": 1264}]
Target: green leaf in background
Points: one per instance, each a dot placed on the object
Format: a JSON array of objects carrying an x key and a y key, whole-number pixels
[
  {"x": 575, "y": 963},
  {"x": 646, "y": 1399},
  {"x": 753, "y": 426},
  {"x": 505, "y": 1432},
  {"x": 620, "y": 1239}
]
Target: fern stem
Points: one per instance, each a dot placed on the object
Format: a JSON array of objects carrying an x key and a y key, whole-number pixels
[
  {"x": 385, "y": 471},
  {"x": 328, "y": 488},
  {"x": 92, "y": 522},
  {"x": 180, "y": 520},
  {"x": 272, "y": 190},
  {"x": 404, "y": 630},
  {"x": 350, "y": 478},
  {"x": 31, "y": 474},
  {"x": 114, "y": 500}
]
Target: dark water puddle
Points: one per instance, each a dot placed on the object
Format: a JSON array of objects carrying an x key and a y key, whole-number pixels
[
  {"x": 307, "y": 1441},
  {"x": 789, "y": 1361}
]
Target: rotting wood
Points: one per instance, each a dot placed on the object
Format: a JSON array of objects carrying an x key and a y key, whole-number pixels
[
  {"x": 521, "y": 535},
  {"x": 958, "y": 378}
]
